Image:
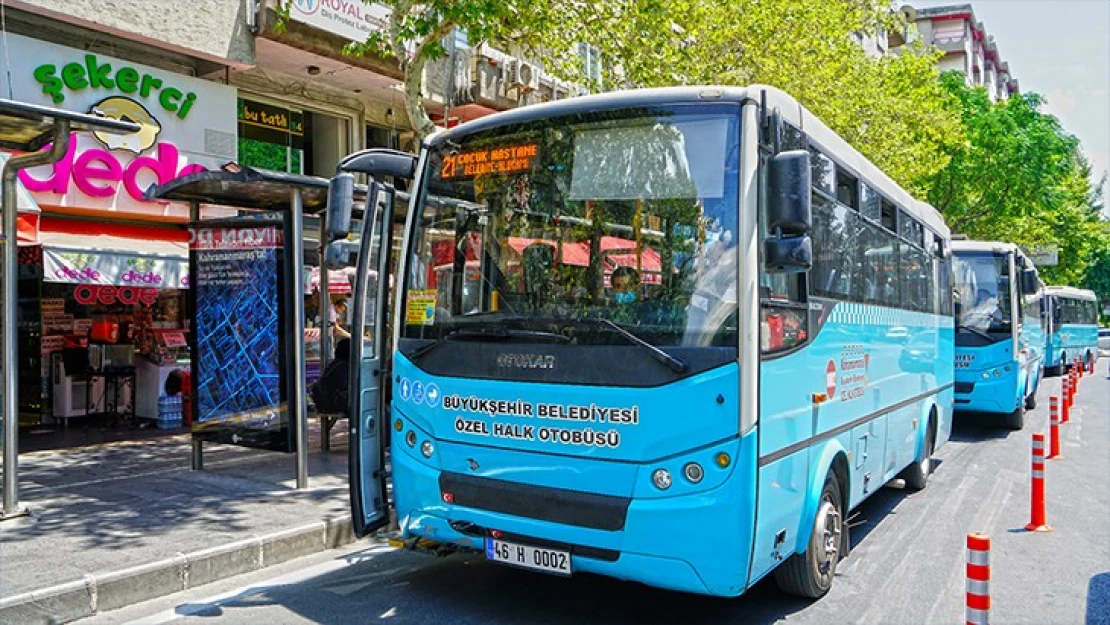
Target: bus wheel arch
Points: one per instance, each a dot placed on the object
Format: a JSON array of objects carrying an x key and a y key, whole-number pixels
[
  {"x": 833, "y": 462},
  {"x": 917, "y": 474},
  {"x": 810, "y": 573}
]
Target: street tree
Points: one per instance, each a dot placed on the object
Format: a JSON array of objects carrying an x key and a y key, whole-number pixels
[
  {"x": 890, "y": 108},
  {"x": 1019, "y": 177},
  {"x": 551, "y": 30}
]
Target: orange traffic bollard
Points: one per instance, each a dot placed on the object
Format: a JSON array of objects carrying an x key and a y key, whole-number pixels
[
  {"x": 1054, "y": 429},
  {"x": 1037, "y": 522},
  {"x": 1065, "y": 393},
  {"x": 978, "y": 579}
]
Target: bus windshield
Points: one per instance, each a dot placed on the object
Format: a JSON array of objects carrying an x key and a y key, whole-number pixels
[
  {"x": 983, "y": 288},
  {"x": 537, "y": 232}
]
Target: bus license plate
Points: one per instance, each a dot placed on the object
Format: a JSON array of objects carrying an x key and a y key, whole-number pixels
[{"x": 535, "y": 558}]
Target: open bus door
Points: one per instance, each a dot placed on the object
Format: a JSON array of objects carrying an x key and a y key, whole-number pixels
[{"x": 368, "y": 376}]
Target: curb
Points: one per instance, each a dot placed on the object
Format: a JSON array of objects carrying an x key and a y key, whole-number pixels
[{"x": 110, "y": 590}]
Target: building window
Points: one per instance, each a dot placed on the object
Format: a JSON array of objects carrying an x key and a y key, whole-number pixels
[
  {"x": 591, "y": 63},
  {"x": 271, "y": 137}
]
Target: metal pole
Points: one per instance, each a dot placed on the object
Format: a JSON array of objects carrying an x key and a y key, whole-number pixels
[
  {"x": 9, "y": 286},
  {"x": 298, "y": 403},
  {"x": 198, "y": 444},
  {"x": 325, "y": 327}
]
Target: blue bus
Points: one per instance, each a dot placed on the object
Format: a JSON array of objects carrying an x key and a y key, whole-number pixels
[
  {"x": 1073, "y": 329},
  {"x": 1000, "y": 329},
  {"x": 666, "y": 310}
]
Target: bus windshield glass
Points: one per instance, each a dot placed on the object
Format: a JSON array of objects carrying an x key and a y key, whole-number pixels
[
  {"x": 571, "y": 229},
  {"x": 983, "y": 288}
]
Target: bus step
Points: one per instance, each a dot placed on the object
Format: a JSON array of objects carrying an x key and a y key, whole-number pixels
[{"x": 420, "y": 545}]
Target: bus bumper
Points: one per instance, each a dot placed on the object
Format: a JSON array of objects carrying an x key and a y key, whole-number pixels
[
  {"x": 989, "y": 390},
  {"x": 672, "y": 542}
]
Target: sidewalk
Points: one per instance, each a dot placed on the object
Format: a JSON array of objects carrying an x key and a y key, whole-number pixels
[{"x": 119, "y": 523}]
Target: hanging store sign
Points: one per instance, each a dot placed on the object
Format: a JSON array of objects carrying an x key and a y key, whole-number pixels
[
  {"x": 350, "y": 19},
  {"x": 187, "y": 125},
  {"x": 109, "y": 269}
]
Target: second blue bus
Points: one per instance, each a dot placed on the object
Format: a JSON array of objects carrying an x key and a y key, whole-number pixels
[{"x": 1000, "y": 334}]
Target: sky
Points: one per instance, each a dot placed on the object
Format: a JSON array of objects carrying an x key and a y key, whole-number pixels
[{"x": 1061, "y": 50}]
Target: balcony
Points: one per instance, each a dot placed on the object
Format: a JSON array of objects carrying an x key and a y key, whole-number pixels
[{"x": 950, "y": 44}]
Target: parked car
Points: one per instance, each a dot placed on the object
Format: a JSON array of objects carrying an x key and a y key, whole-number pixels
[{"x": 1104, "y": 341}]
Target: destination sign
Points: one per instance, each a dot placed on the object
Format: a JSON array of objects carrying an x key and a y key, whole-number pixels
[{"x": 502, "y": 160}]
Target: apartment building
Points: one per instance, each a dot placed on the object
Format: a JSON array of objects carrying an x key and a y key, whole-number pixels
[{"x": 967, "y": 46}]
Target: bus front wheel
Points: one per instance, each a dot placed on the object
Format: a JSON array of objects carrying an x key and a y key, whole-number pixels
[{"x": 810, "y": 574}]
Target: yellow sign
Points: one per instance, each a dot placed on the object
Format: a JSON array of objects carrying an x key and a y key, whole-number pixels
[
  {"x": 421, "y": 308},
  {"x": 504, "y": 160}
]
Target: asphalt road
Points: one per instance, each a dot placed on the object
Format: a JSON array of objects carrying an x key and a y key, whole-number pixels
[{"x": 907, "y": 564}]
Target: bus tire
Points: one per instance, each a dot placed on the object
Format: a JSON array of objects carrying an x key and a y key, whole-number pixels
[
  {"x": 1031, "y": 401},
  {"x": 1016, "y": 419},
  {"x": 917, "y": 474},
  {"x": 811, "y": 574}
]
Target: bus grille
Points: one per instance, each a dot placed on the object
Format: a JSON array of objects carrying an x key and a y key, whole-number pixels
[
  {"x": 965, "y": 387},
  {"x": 557, "y": 505}
]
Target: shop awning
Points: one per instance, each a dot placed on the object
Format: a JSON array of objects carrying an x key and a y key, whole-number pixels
[{"x": 78, "y": 252}]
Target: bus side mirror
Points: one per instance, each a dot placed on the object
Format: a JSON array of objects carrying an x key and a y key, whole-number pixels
[
  {"x": 788, "y": 254},
  {"x": 379, "y": 162},
  {"x": 337, "y": 254},
  {"x": 341, "y": 200},
  {"x": 788, "y": 195},
  {"x": 1029, "y": 281}
]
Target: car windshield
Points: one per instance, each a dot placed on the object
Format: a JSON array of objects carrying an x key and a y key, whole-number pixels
[
  {"x": 983, "y": 291},
  {"x": 627, "y": 216}
]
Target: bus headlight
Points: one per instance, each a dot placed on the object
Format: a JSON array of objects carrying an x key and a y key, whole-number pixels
[
  {"x": 410, "y": 438},
  {"x": 693, "y": 472},
  {"x": 662, "y": 479},
  {"x": 427, "y": 448},
  {"x": 996, "y": 373}
]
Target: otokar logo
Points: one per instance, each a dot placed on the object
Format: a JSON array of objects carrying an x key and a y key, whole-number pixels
[{"x": 525, "y": 361}]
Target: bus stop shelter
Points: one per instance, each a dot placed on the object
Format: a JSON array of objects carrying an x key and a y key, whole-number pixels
[
  {"x": 294, "y": 196},
  {"x": 27, "y": 129}
]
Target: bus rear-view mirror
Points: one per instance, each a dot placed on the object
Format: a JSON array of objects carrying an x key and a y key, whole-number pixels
[
  {"x": 789, "y": 195},
  {"x": 1029, "y": 281},
  {"x": 337, "y": 254},
  {"x": 341, "y": 199},
  {"x": 788, "y": 254},
  {"x": 380, "y": 162}
]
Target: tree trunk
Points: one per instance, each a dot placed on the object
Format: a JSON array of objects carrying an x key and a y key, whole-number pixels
[{"x": 414, "y": 98}]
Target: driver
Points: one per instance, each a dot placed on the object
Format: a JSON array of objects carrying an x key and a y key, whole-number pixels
[{"x": 626, "y": 294}]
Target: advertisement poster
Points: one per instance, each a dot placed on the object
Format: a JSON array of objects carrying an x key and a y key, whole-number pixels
[{"x": 240, "y": 394}]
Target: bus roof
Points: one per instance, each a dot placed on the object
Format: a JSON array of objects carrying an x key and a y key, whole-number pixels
[
  {"x": 1072, "y": 292},
  {"x": 792, "y": 112},
  {"x": 997, "y": 247}
]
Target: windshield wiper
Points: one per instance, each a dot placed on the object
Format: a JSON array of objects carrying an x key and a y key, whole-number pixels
[
  {"x": 495, "y": 333},
  {"x": 975, "y": 331},
  {"x": 678, "y": 366}
]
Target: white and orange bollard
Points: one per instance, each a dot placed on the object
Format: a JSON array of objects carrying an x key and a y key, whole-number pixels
[
  {"x": 1065, "y": 392},
  {"x": 978, "y": 579},
  {"x": 1054, "y": 429},
  {"x": 1037, "y": 520}
]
